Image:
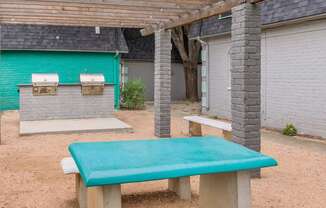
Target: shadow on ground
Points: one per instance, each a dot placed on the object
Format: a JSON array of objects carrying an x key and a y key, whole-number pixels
[{"x": 157, "y": 199}]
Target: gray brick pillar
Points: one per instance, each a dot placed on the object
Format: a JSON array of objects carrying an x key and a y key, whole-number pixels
[
  {"x": 245, "y": 76},
  {"x": 162, "y": 83}
]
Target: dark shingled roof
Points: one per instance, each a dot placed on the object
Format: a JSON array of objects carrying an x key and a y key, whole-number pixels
[
  {"x": 273, "y": 11},
  {"x": 142, "y": 48},
  {"x": 61, "y": 38}
]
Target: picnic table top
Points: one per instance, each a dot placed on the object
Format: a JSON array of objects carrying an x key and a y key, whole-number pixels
[{"x": 118, "y": 162}]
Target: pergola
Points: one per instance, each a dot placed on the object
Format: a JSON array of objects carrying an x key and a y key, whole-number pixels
[
  {"x": 158, "y": 16},
  {"x": 148, "y": 14}
]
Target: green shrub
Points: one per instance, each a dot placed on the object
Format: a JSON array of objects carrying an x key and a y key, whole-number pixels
[
  {"x": 290, "y": 130},
  {"x": 133, "y": 95}
]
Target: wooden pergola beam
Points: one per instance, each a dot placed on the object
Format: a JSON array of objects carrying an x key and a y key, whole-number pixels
[
  {"x": 89, "y": 11},
  {"x": 148, "y": 14},
  {"x": 208, "y": 11},
  {"x": 65, "y": 22},
  {"x": 67, "y": 4},
  {"x": 108, "y": 13},
  {"x": 79, "y": 17},
  {"x": 179, "y": 4}
]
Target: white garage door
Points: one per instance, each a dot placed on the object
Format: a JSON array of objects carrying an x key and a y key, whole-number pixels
[{"x": 219, "y": 77}]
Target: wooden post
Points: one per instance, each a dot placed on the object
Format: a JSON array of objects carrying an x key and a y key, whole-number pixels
[
  {"x": 104, "y": 197},
  {"x": 181, "y": 186},
  {"x": 228, "y": 190},
  {"x": 195, "y": 129}
]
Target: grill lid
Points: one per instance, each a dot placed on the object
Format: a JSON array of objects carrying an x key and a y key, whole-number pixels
[
  {"x": 45, "y": 79},
  {"x": 92, "y": 79}
]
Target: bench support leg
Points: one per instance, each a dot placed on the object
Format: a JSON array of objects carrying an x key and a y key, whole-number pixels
[
  {"x": 230, "y": 190},
  {"x": 77, "y": 186},
  {"x": 195, "y": 129},
  {"x": 181, "y": 186},
  {"x": 104, "y": 197},
  {"x": 0, "y": 125},
  {"x": 81, "y": 191},
  {"x": 227, "y": 134}
]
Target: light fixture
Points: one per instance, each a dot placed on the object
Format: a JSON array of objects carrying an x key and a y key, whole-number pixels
[{"x": 97, "y": 30}]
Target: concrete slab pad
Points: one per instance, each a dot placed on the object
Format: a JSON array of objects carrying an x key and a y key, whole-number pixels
[{"x": 74, "y": 126}]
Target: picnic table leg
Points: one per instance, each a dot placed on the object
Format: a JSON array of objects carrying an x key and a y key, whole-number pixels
[
  {"x": 104, "y": 197},
  {"x": 0, "y": 125},
  {"x": 195, "y": 129},
  {"x": 227, "y": 134},
  {"x": 81, "y": 192},
  {"x": 77, "y": 186},
  {"x": 228, "y": 190},
  {"x": 181, "y": 186}
]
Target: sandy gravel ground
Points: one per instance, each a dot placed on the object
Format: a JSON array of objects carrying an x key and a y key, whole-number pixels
[{"x": 31, "y": 175}]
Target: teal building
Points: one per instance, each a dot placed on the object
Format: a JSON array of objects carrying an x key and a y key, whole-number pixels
[{"x": 67, "y": 51}]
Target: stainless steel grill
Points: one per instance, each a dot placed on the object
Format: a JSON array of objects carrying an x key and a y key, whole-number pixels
[
  {"x": 92, "y": 84},
  {"x": 45, "y": 84}
]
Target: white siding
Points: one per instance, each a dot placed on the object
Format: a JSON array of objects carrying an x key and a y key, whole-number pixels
[
  {"x": 219, "y": 81},
  {"x": 293, "y": 77}
]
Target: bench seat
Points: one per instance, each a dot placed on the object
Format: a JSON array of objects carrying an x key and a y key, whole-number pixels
[
  {"x": 195, "y": 123},
  {"x": 210, "y": 122},
  {"x": 69, "y": 166}
]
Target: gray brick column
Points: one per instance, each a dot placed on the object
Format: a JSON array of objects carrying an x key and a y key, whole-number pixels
[
  {"x": 162, "y": 83},
  {"x": 245, "y": 76}
]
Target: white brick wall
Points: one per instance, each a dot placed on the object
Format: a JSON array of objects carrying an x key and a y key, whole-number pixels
[
  {"x": 293, "y": 77},
  {"x": 69, "y": 103}
]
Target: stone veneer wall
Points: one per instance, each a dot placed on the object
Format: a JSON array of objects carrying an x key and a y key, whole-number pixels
[{"x": 69, "y": 103}]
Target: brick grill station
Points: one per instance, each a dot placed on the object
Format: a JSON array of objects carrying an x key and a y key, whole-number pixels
[
  {"x": 68, "y": 102},
  {"x": 73, "y": 105}
]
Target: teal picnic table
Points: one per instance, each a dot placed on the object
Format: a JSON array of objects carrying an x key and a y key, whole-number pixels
[{"x": 223, "y": 167}]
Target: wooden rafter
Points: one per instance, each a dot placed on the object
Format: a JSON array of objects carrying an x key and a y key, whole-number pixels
[
  {"x": 147, "y": 14},
  {"x": 207, "y": 11}
]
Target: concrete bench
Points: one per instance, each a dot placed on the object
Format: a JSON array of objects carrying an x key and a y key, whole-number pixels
[
  {"x": 69, "y": 167},
  {"x": 195, "y": 123},
  {"x": 224, "y": 175}
]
